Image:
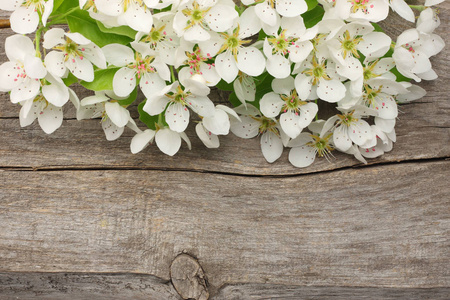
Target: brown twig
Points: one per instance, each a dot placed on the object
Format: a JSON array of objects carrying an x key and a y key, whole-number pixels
[{"x": 4, "y": 23}]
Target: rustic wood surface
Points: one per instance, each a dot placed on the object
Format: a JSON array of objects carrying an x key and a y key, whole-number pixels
[{"x": 74, "y": 206}]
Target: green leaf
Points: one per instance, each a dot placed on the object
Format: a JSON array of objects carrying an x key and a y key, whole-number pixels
[
  {"x": 71, "y": 79},
  {"x": 313, "y": 16},
  {"x": 80, "y": 21},
  {"x": 262, "y": 35},
  {"x": 311, "y": 4},
  {"x": 145, "y": 118},
  {"x": 121, "y": 30},
  {"x": 102, "y": 80},
  {"x": 225, "y": 86},
  {"x": 130, "y": 99},
  {"x": 62, "y": 6},
  {"x": 399, "y": 76},
  {"x": 234, "y": 100},
  {"x": 377, "y": 27}
]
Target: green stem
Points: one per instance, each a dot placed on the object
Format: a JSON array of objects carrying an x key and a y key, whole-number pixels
[
  {"x": 172, "y": 74},
  {"x": 61, "y": 17},
  {"x": 418, "y": 7},
  {"x": 37, "y": 41},
  {"x": 317, "y": 115}
]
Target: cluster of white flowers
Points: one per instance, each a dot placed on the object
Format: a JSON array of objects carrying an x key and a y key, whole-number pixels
[{"x": 281, "y": 58}]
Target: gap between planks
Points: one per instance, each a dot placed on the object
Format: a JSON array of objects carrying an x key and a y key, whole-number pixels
[{"x": 126, "y": 168}]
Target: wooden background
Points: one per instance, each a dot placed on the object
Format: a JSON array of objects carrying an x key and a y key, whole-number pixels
[{"x": 83, "y": 218}]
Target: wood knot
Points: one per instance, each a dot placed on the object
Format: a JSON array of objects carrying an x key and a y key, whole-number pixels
[{"x": 188, "y": 278}]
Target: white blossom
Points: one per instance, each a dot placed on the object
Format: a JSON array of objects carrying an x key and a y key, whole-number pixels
[
  {"x": 145, "y": 69},
  {"x": 27, "y": 14},
  {"x": 21, "y": 75},
  {"x": 296, "y": 113},
  {"x": 73, "y": 52}
]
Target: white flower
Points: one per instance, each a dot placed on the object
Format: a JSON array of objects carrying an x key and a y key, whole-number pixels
[
  {"x": 245, "y": 88},
  {"x": 134, "y": 13},
  {"x": 402, "y": 9},
  {"x": 268, "y": 10},
  {"x": 291, "y": 45},
  {"x": 307, "y": 146},
  {"x": 194, "y": 19},
  {"x": 217, "y": 124},
  {"x": 350, "y": 128},
  {"x": 380, "y": 143},
  {"x": 252, "y": 123},
  {"x": 114, "y": 117},
  {"x": 370, "y": 10},
  {"x": 21, "y": 75},
  {"x": 353, "y": 38},
  {"x": 26, "y": 14},
  {"x": 168, "y": 141},
  {"x": 145, "y": 69},
  {"x": 76, "y": 53},
  {"x": 234, "y": 57},
  {"x": 296, "y": 113},
  {"x": 314, "y": 81},
  {"x": 412, "y": 52},
  {"x": 161, "y": 38},
  {"x": 47, "y": 105},
  {"x": 195, "y": 62},
  {"x": 178, "y": 100}
]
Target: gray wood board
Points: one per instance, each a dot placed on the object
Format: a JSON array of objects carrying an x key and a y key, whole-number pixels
[
  {"x": 382, "y": 226},
  {"x": 48, "y": 286}
]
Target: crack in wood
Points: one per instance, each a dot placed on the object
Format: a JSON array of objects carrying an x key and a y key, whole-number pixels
[{"x": 127, "y": 168}]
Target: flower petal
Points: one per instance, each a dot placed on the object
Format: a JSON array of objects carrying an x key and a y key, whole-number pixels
[
  {"x": 271, "y": 146},
  {"x": 177, "y": 117},
  {"x": 250, "y": 61},
  {"x": 271, "y": 105},
  {"x": 24, "y": 20},
  {"x": 209, "y": 139},
  {"x": 168, "y": 141},
  {"x": 141, "y": 140},
  {"x": 118, "y": 55},
  {"x": 124, "y": 82},
  {"x": 81, "y": 68},
  {"x": 218, "y": 124},
  {"x": 118, "y": 114},
  {"x": 50, "y": 118},
  {"x": 341, "y": 139},
  {"x": 112, "y": 131},
  {"x": 302, "y": 156},
  {"x": 226, "y": 66}
]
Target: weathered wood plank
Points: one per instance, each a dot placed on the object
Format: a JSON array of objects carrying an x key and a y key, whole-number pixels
[
  {"x": 423, "y": 132},
  {"x": 266, "y": 291},
  {"x": 51, "y": 286},
  {"x": 382, "y": 226},
  {"x": 87, "y": 286}
]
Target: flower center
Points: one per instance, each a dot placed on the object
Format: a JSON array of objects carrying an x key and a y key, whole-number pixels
[
  {"x": 232, "y": 42},
  {"x": 349, "y": 44},
  {"x": 321, "y": 145},
  {"x": 360, "y": 5},
  {"x": 292, "y": 102},
  {"x": 318, "y": 71},
  {"x": 194, "y": 61},
  {"x": 196, "y": 14},
  {"x": 267, "y": 124},
  {"x": 280, "y": 44},
  {"x": 142, "y": 65},
  {"x": 347, "y": 118}
]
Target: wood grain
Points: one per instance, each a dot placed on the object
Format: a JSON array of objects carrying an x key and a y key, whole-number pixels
[
  {"x": 76, "y": 286},
  {"x": 382, "y": 226},
  {"x": 57, "y": 286}
]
